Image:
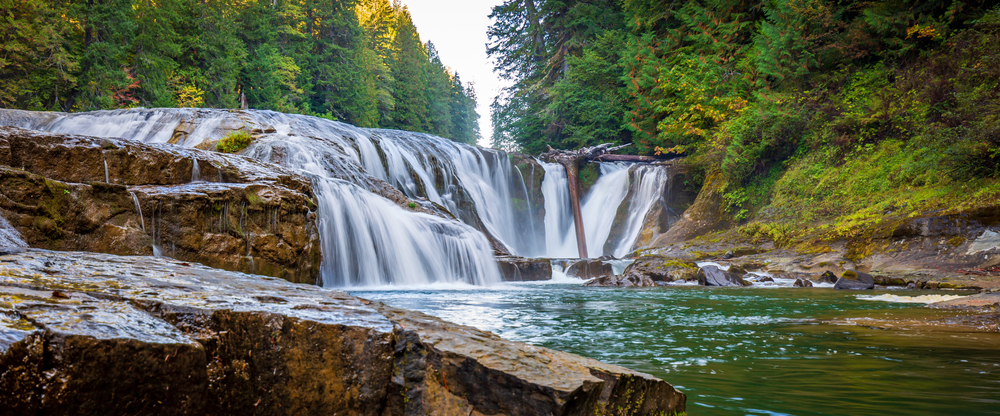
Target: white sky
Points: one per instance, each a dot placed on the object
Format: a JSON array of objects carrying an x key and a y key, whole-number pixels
[{"x": 457, "y": 28}]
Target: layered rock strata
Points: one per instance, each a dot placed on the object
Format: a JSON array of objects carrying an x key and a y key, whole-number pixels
[
  {"x": 97, "y": 333},
  {"x": 67, "y": 192}
]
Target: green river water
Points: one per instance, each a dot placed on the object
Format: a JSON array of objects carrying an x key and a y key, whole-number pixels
[{"x": 747, "y": 351}]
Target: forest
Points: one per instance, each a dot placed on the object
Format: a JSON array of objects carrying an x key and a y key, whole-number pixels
[
  {"x": 796, "y": 111},
  {"x": 360, "y": 62}
]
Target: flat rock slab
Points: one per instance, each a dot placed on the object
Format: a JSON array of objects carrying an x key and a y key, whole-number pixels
[
  {"x": 104, "y": 334},
  {"x": 522, "y": 269},
  {"x": 988, "y": 301}
]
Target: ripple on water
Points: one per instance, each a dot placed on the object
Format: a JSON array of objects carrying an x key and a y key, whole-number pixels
[{"x": 739, "y": 351}]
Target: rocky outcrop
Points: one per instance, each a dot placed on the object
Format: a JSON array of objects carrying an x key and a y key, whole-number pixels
[
  {"x": 703, "y": 216},
  {"x": 987, "y": 301},
  {"x": 827, "y": 277},
  {"x": 661, "y": 269},
  {"x": 97, "y": 333},
  {"x": 521, "y": 269},
  {"x": 589, "y": 269},
  {"x": 623, "y": 280},
  {"x": 714, "y": 276},
  {"x": 855, "y": 280},
  {"x": 67, "y": 192},
  {"x": 802, "y": 283}
]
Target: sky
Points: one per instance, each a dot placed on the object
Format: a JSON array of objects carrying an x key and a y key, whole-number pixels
[{"x": 457, "y": 28}]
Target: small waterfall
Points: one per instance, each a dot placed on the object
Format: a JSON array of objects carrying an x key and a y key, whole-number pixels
[
  {"x": 138, "y": 209},
  {"x": 558, "y": 215},
  {"x": 647, "y": 186},
  {"x": 643, "y": 183},
  {"x": 195, "y": 171},
  {"x": 368, "y": 240},
  {"x": 107, "y": 178},
  {"x": 9, "y": 237}
]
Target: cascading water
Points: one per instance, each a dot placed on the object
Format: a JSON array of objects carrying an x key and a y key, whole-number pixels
[
  {"x": 370, "y": 241},
  {"x": 600, "y": 208},
  {"x": 195, "y": 171},
  {"x": 478, "y": 186},
  {"x": 9, "y": 237}
]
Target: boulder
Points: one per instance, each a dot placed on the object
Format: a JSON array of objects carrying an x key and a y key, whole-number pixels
[
  {"x": 68, "y": 192},
  {"x": 520, "y": 269},
  {"x": 103, "y": 334},
  {"x": 802, "y": 283},
  {"x": 661, "y": 269},
  {"x": 623, "y": 280},
  {"x": 589, "y": 269},
  {"x": 827, "y": 277},
  {"x": 855, "y": 280},
  {"x": 713, "y": 276}
]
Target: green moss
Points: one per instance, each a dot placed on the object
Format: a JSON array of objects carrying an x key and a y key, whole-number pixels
[
  {"x": 956, "y": 241},
  {"x": 234, "y": 141},
  {"x": 254, "y": 199},
  {"x": 589, "y": 173}
]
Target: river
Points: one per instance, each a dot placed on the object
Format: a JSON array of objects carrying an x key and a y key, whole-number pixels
[{"x": 746, "y": 351}]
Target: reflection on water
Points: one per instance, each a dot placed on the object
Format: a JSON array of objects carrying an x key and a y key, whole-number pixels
[{"x": 746, "y": 351}]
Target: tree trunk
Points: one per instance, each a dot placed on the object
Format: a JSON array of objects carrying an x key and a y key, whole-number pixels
[{"x": 573, "y": 174}]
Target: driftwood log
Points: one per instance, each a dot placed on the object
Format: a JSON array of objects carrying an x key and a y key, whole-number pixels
[{"x": 570, "y": 159}]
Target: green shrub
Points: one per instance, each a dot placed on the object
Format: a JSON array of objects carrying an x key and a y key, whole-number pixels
[{"x": 234, "y": 141}]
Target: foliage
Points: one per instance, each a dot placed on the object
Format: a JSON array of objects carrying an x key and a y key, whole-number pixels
[
  {"x": 338, "y": 58},
  {"x": 234, "y": 141}
]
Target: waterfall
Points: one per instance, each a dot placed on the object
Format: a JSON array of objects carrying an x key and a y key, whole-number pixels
[
  {"x": 600, "y": 208},
  {"x": 9, "y": 237},
  {"x": 138, "y": 209},
  {"x": 107, "y": 178},
  {"x": 195, "y": 171},
  {"x": 647, "y": 186},
  {"x": 369, "y": 240},
  {"x": 558, "y": 215}
]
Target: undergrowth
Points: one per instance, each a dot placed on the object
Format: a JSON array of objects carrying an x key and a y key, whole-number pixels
[{"x": 234, "y": 141}]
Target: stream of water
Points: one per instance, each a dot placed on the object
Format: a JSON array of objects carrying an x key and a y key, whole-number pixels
[{"x": 743, "y": 351}]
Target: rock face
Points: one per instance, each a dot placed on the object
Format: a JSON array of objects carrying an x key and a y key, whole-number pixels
[
  {"x": 246, "y": 216},
  {"x": 855, "y": 280},
  {"x": 713, "y": 276},
  {"x": 623, "y": 280},
  {"x": 589, "y": 269},
  {"x": 520, "y": 269},
  {"x": 703, "y": 216},
  {"x": 661, "y": 269},
  {"x": 97, "y": 333},
  {"x": 828, "y": 277}
]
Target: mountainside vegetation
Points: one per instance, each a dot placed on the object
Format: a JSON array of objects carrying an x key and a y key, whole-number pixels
[
  {"x": 357, "y": 61},
  {"x": 822, "y": 118}
]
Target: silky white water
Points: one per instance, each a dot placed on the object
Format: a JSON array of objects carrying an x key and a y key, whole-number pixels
[
  {"x": 9, "y": 237},
  {"x": 365, "y": 236}
]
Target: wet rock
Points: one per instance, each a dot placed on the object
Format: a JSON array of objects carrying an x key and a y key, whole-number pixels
[
  {"x": 855, "y": 280},
  {"x": 765, "y": 279},
  {"x": 247, "y": 216},
  {"x": 728, "y": 255},
  {"x": 986, "y": 301},
  {"x": 623, "y": 280},
  {"x": 827, "y": 277},
  {"x": 143, "y": 335},
  {"x": 520, "y": 269},
  {"x": 703, "y": 216},
  {"x": 802, "y": 283},
  {"x": 713, "y": 276},
  {"x": 589, "y": 269},
  {"x": 889, "y": 280},
  {"x": 661, "y": 269}
]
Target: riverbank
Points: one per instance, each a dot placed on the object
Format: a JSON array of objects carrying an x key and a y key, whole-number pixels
[{"x": 205, "y": 341}]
